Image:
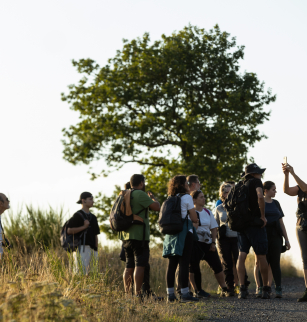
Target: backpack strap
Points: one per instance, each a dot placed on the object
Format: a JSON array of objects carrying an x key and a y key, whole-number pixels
[
  {"x": 207, "y": 211},
  {"x": 198, "y": 217}
]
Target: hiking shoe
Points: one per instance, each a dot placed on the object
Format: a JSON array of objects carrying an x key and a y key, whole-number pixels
[
  {"x": 224, "y": 291},
  {"x": 243, "y": 293},
  {"x": 259, "y": 292},
  {"x": 265, "y": 292},
  {"x": 171, "y": 298},
  {"x": 230, "y": 293},
  {"x": 278, "y": 292},
  {"x": 188, "y": 298},
  {"x": 304, "y": 297},
  {"x": 202, "y": 294},
  {"x": 237, "y": 289}
]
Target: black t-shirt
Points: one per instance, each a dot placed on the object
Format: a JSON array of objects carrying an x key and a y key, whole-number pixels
[
  {"x": 253, "y": 198},
  {"x": 77, "y": 220}
]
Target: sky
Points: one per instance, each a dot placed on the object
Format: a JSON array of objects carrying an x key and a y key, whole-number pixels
[{"x": 39, "y": 39}]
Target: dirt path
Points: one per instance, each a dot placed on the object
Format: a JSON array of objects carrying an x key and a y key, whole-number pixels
[{"x": 253, "y": 309}]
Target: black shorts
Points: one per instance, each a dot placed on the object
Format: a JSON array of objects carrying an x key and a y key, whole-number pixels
[
  {"x": 201, "y": 252},
  {"x": 137, "y": 253},
  {"x": 255, "y": 237}
]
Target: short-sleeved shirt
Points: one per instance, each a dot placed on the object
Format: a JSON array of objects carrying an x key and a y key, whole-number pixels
[
  {"x": 272, "y": 212},
  {"x": 253, "y": 197},
  {"x": 77, "y": 220},
  {"x": 186, "y": 204},
  {"x": 139, "y": 201},
  {"x": 207, "y": 222}
]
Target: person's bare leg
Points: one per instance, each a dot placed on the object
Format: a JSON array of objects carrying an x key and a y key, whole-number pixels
[
  {"x": 241, "y": 268},
  {"x": 220, "y": 277},
  {"x": 264, "y": 268},
  {"x": 192, "y": 281},
  {"x": 127, "y": 277},
  {"x": 270, "y": 276},
  {"x": 256, "y": 275},
  {"x": 305, "y": 277},
  {"x": 235, "y": 275},
  {"x": 138, "y": 279}
]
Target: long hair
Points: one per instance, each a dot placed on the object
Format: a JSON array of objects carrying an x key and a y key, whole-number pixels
[
  {"x": 176, "y": 185},
  {"x": 222, "y": 189}
]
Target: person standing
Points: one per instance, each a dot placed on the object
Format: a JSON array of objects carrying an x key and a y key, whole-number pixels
[
  {"x": 231, "y": 184},
  {"x": 227, "y": 244},
  {"x": 255, "y": 234},
  {"x": 178, "y": 248},
  {"x": 301, "y": 225},
  {"x": 135, "y": 246},
  {"x": 275, "y": 229},
  {"x": 4, "y": 205},
  {"x": 85, "y": 223}
]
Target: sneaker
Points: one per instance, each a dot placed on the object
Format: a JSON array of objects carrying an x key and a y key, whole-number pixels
[
  {"x": 237, "y": 289},
  {"x": 304, "y": 297},
  {"x": 224, "y": 292},
  {"x": 188, "y": 298},
  {"x": 202, "y": 294},
  {"x": 230, "y": 293},
  {"x": 243, "y": 293},
  {"x": 259, "y": 292},
  {"x": 171, "y": 298},
  {"x": 278, "y": 292},
  {"x": 265, "y": 292},
  {"x": 270, "y": 290}
]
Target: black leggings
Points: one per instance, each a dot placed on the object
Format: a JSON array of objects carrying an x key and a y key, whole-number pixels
[
  {"x": 183, "y": 262},
  {"x": 273, "y": 255}
]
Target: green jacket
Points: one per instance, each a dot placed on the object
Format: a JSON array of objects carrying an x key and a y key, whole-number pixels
[{"x": 174, "y": 244}]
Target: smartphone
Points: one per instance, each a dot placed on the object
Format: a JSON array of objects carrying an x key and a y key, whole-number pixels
[{"x": 285, "y": 160}]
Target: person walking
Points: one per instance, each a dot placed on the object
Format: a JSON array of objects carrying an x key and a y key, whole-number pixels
[
  {"x": 4, "y": 205},
  {"x": 205, "y": 247},
  {"x": 300, "y": 190},
  {"x": 85, "y": 223},
  {"x": 275, "y": 229},
  {"x": 227, "y": 244},
  {"x": 178, "y": 248},
  {"x": 255, "y": 234},
  {"x": 136, "y": 246}
]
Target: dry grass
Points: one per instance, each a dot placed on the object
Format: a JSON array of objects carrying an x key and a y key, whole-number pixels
[{"x": 39, "y": 286}]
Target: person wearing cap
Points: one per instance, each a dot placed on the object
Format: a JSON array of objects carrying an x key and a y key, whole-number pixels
[
  {"x": 83, "y": 221},
  {"x": 255, "y": 234},
  {"x": 4, "y": 205}
]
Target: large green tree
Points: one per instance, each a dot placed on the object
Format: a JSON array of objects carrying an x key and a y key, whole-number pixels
[{"x": 177, "y": 105}]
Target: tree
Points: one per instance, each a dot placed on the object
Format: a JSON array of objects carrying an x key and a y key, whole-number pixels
[{"x": 177, "y": 105}]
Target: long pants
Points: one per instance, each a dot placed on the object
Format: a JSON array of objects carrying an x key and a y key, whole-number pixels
[
  {"x": 183, "y": 261},
  {"x": 229, "y": 252},
  {"x": 273, "y": 255},
  {"x": 85, "y": 261},
  {"x": 302, "y": 240}
]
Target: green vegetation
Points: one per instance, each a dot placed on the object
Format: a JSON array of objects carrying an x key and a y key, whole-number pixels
[{"x": 176, "y": 105}]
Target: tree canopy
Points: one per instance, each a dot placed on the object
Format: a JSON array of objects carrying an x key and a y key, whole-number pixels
[{"x": 176, "y": 105}]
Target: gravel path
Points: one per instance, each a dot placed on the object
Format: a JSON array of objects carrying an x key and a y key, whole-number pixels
[{"x": 253, "y": 309}]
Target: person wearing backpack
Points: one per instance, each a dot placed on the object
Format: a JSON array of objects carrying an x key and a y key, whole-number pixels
[
  {"x": 178, "y": 247},
  {"x": 205, "y": 247},
  {"x": 300, "y": 190},
  {"x": 254, "y": 233},
  {"x": 135, "y": 239},
  {"x": 4, "y": 205},
  {"x": 85, "y": 223}
]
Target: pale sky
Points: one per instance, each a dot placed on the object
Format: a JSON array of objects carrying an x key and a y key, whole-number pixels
[{"x": 39, "y": 39}]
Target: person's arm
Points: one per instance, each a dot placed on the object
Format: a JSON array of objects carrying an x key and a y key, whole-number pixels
[
  {"x": 284, "y": 233},
  {"x": 76, "y": 230},
  {"x": 290, "y": 191},
  {"x": 261, "y": 203},
  {"x": 217, "y": 216},
  {"x": 213, "y": 234},
  {"x": 193, "y": 215},
  {"x": 299, "y": 181},
  {"x": 155, "y": 206}
]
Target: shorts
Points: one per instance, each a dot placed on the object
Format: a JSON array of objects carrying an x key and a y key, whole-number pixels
[
  {"x": 253, "y": 236},
  {"x": 137, "y": 253},
  {"x": 201, "y": 252}
]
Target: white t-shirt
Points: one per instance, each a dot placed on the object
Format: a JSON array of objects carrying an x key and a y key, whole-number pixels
[
  {"x": 207, "y": 222},
  {"x": 186, "y": 204}
]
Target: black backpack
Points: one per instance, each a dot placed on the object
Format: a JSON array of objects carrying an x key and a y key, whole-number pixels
[
  {"x": 70, "y": 242},
  {"x": 170, "y": 219},
  {"x": 119, "y": 221},
  {"x": 239, "y": 216}
]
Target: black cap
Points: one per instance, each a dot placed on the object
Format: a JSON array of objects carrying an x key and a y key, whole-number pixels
[
  {"x": 252, "y": 168},
  {"x": 84, "y": 195}
]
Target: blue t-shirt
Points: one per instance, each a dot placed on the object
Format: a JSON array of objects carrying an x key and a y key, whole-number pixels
[
  {"x": 219, "y": 202},
  {"x": 272, "y": 213}
]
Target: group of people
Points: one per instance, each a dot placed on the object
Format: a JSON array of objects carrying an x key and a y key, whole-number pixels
[{"x": 206, "y": 236}]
